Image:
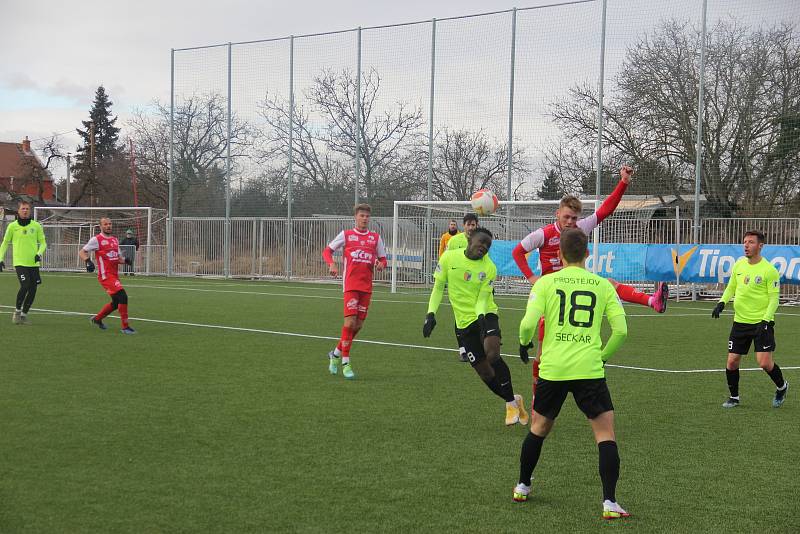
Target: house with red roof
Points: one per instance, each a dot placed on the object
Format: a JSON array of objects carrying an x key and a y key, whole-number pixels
[{"x": 23, "y": 174}]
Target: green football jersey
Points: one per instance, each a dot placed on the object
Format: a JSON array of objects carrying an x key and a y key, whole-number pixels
[
  {"x": 458, "y": 241},
  {"x": 28, "y": 241},
  {"x": 466, "y": 279},
  {"x": 573, "y": 302},
  {"x": 753, "y": 287}
]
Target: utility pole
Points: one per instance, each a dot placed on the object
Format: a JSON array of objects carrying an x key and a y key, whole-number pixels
[
  {"x": 91, "y": 160},
  {"x": 69, "y": 178}
]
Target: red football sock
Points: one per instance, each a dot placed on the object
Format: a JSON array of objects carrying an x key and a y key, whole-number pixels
[
  {"x": 345, "y": 341},
  {"x": 629, "y": 294},
  {"x": 123, "y": 314},
  {"x": 102, "y": 314}
]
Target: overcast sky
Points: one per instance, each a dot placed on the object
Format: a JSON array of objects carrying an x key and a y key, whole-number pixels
[{"x": 56, "y": 53}]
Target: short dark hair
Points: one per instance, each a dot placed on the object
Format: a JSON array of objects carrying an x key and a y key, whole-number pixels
[
  {"x": 758, "y": 234},
  {"x": 24, "y": 203},
  {"x": 574, "y": 245},
  {"x": 481, "y": 230},
  {"x": 470, "y": 217},
  {"x": 362, "y": 207},
  {"x": 451, "y": 221}
]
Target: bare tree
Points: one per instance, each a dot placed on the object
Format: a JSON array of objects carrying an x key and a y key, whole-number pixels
[
  {"x": 324, "y": 150},
  {"x": 35, "y": 170},
  {"x": 200, "y": 148},
  {"x": 752, "y": 95},
  {"x": 465, "y": 161}
]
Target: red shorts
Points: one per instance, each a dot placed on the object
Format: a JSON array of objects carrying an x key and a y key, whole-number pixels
[
  {"x": 541, "y": 330},
  {"x": 111, "y": 284},
  {"x": 356, "y": 303}
]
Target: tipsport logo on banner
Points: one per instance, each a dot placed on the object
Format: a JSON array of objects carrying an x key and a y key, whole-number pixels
[
  {"x": 713, "y": 263},
  {"x": 699, "y": 263}
]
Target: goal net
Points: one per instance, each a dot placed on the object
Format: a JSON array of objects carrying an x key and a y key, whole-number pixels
[
  {"x": 67, "y": 229},
  {"x": 417, "y": 228}
]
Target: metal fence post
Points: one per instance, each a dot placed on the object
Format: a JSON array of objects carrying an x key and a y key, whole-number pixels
[
  {"x": 227, "y": 251},
  {"x": 599, "y": 163},
  {"x": 358, "y": 117},
  {"x": 288, "y": 245},
  {"x": 170, "y": 242},
  {"x": 427, "y": 265},
  {"x": 510, "y": 156},
  {"x": 698, "y": 163}
]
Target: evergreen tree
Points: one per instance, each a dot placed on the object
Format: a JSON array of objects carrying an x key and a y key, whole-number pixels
[
  {"x": 551, "y": 188},
  {"x": 90, "y": 172}
]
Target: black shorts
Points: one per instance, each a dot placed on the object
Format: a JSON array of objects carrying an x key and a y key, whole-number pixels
[
  {"x": 591, "y": 395},
  {"x": 470, "y": 339},
  {"x": 742, "y": 334},
  {"x": 28, "y": 275}
]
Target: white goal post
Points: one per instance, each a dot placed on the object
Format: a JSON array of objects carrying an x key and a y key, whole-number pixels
[{"x": 67, "y": 228}]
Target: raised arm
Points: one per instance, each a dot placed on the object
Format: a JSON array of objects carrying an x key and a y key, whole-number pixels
[{"x": 532, "y": 241}]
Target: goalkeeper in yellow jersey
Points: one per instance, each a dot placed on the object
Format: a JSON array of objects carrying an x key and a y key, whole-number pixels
[
  {"x": 755, "y": 287},
  {"x": 469, "y": 276},
  {"x": 573, "y": 302}
]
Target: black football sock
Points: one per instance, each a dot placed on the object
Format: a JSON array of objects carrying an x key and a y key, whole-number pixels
[
  {"x": 503, "y": 375},
  {"x": 529, "y": 457},
  {"x": 28, "y": 302},
  {"x": 733, "y": 381},
  {"x": 23, "y": 290},
  {"x": 609, "y": 469},
  {"x": 776, "y": 375}
]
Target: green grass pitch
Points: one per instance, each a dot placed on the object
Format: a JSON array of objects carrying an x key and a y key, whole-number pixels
[{"x": 185, "y": 427}]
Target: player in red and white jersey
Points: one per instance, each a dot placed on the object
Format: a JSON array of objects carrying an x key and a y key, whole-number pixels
[
  {"x": 547, "y": 240},
  {"x": 363, "y": 252},
  {"x": 106, "y": 253}
]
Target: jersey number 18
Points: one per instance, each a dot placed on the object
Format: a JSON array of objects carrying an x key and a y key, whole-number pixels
[{"x": 575, "y": 307}]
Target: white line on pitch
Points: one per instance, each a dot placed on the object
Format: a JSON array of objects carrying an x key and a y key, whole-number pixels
[{"x": 368, "y": 341}]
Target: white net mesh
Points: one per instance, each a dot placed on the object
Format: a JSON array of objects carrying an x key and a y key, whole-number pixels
[{"x": 68, "y": 229}]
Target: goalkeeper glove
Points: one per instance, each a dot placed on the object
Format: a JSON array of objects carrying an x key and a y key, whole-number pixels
[
  {"x": 430, "y": 322},
  {"x": 37, "y": 258},
  {"x": 717, "y": 310},
  {"x": 89, "y": 266},
  {"x": 523, "y": 351},
  {"x": 2, "y": 266}
]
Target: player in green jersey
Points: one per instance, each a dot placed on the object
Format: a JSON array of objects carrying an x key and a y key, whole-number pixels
[
  {"x": 755, "y": 286},
  {"x": 469, "y": 275},
  {"x": 461, "y": 239},
  {"x": 573, "y": 302},
  {"x": 27, "y": 238}
]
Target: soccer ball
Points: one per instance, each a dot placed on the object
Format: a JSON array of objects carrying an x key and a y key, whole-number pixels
[{"x": 484, "y": 202}]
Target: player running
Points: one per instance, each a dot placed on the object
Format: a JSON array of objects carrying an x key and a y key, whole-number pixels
[
  {"x": 546, "y": 240},
  {"x": 27, "y": 238},
  {"x": 469, "y": 276},
  {"x": 106, "y": 253},
  {"x": 755, "y": 286},
  {"x": 573, "y": 300},
  {"x": 363, "y": 252}
]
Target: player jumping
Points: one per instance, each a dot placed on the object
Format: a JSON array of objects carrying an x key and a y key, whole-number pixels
[
  {"x": 547, "y": 238},
  {"x": 363, "y": 252},
  {"x": 469, "y": 276},
  {"x": 106, "y": 253}
]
